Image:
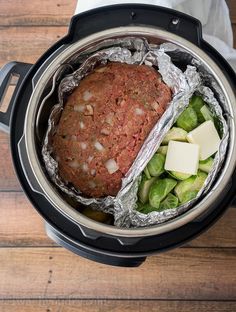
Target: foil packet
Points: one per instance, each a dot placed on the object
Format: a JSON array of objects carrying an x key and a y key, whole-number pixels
[{"x": 183, "y": 84}]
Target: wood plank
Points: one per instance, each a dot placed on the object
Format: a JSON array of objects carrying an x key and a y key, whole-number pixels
[
  {"x": 30, "y": 13},
  {"x": 114, "y": 306},
  {"x": 23, "y": 12},
  {"x": 36, "y": 41},
  {"x": 232, "y": 9},
  {"x": 21, "y": 225},
  {"x": 196, "y": 274},
  {"x": 8, "y": 179},
  {"x": 27, "y": 44}
]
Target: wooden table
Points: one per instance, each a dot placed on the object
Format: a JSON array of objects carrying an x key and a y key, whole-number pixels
[{"x": 36, "y": 275}]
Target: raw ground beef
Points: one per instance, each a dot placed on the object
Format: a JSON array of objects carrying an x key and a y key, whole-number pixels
[{"x": 104, "y": 124}]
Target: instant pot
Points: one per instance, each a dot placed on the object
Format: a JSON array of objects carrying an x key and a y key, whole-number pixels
[{"x": 25, "y": 118}]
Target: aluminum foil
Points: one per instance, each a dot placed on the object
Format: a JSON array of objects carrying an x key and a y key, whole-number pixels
[{"x": 183, "y": 85}]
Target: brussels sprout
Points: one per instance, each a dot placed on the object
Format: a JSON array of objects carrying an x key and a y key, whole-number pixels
[
  {"x": 188, "y": 119},
  {"x": 206, "y": 165},
  {"x": 175, "y": 134},
  {"x": 192, "y": 184},
  {"x": 206, "y": 113},
  {"x": 145, "y": 208},
  {"x": 163, "y": 150},
  {"x": 159, "y": 190},
  {"x": 197, "y": 103},
  {"x": 156, "y": 165},
  {"x": 199, "y": 181},
  {"x": 179, "y": 175},
  {"x": 187, "y": 196},
  {"x": 170, "y": 202},
  {"x": 144, "y": 189},
  {"x": 146, "y": 172}
]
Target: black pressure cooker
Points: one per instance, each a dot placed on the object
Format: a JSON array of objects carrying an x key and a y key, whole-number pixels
[{"x": 24, "y": 118}]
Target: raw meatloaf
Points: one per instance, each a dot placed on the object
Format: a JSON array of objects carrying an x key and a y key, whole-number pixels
[{"x": 104, "y": 124}]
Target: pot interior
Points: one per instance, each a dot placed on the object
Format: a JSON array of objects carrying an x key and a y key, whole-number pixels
[{"x": 40, "y": 114}]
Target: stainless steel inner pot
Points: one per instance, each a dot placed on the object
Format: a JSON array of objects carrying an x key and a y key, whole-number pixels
[{"x": 153, "y": 35}]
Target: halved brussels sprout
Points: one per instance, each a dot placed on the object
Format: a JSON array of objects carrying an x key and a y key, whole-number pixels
[
  {"x": 163, "y": 150},
  {"x": 144, "y": 187},
  {"x": 188, "y": 119},
  {"x": 192, "y": 184},
  {"x": 170, "y": 202},
  {"x": 145, "y": 208},
  {"x": 159, "y": 190},
  {"x": 206, "y": 165},
  {"x": 187, "y": 196},
  {"x": 156, "y": 165},
  {"x": 175, "y": 134},
  {"x": 206, "y": 113},
  {"x": 197, "y": 103}
]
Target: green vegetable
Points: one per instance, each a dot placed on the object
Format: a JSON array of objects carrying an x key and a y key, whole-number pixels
[
  {"x": 144, "y": 189},
  {"x": 170, "y": 202},
  {"x": 146, "y": 172},
  {"x": 187, "y": 196},
  {"x": 206, "y": 165},
  {"x": 188, "y": 119},
  {"x": 145, "y": 208},
  {"x": 206, "y": 113},
  {"x": 199, "y": 181},
  {"x": 162, "y": 150},
  {"x": 179, "y": 175},
  {"x": 175, "y": 134},
  {"x": 197, "y": 103},
  {"x": 192, "y": 184},
  {"x": 156, "y": 165},
  {"x": 159, "y": 190}
]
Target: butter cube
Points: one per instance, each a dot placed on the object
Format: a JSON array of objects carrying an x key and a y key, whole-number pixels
[
  {"x": 182, "y": 157},
  {"x": 207, "y": 137}
]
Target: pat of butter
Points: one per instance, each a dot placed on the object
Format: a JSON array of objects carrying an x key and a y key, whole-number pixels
[
  {"x": 182, "y": 157},
  {"x": 207, "y": 137}
]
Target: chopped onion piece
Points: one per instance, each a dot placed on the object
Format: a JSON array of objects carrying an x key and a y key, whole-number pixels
[
  {"x": 105, "y": 131},
  {"x": 79, "y": 108},
  {"x": 101, "y": 70},
  {"x": 74, "y": 164},
  {"x": 87, "y": 95},
  {"x": 83, "y": 145},
  {"x": 110, "y": 119},
  {"x": 90, "y": 158},
  {"x": 85, "y": 167},
  {"x": 81, "y": 124},
  {"x": 98, "y": 146},
  {"x": 111, "y": 166},
  {"x": 148, "y": 63},
  {"x": 88, "y": 110},
  {"x": 155, "y": 105},
  {"x": 93, "y": 172},
  {"x": 139, "y": 111}
]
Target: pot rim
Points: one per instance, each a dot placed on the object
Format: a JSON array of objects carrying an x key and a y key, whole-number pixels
[{"x": 48, "y": 191}]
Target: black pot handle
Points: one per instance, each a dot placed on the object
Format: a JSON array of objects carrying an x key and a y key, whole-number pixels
[
  {"x": 7, "y": 72},
  {"x": 90, "y": 253},
  {"x": 99, "y": 19}
]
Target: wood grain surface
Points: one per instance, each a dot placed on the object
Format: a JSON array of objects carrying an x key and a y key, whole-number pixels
[
  {"x": 36, "y": 275},
  {"x": 50, "y": 273},
  {"x": 114, "y": 306}
]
